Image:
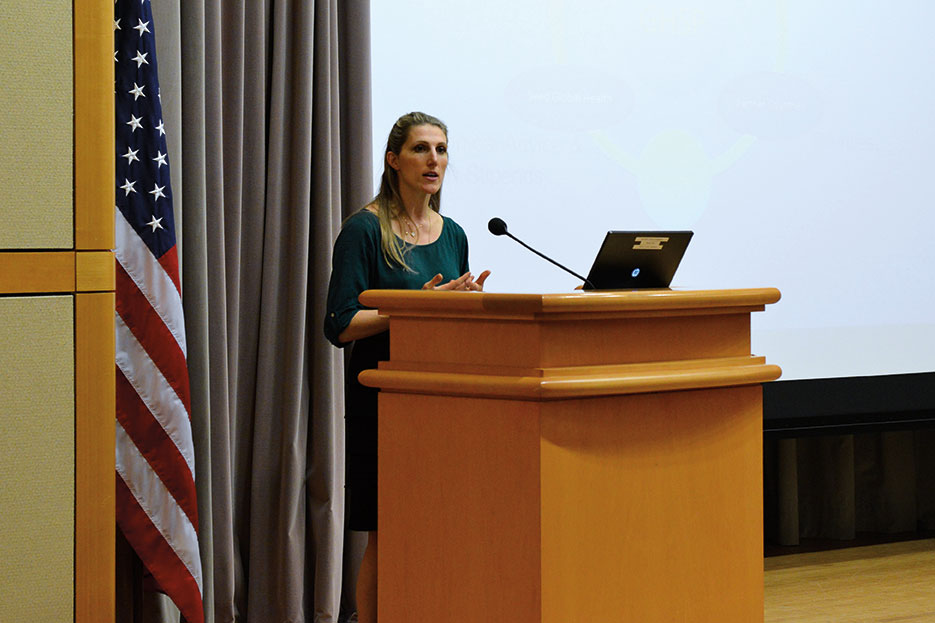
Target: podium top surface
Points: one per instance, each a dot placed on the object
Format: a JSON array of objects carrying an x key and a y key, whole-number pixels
[{"x": 423, "y": 302}]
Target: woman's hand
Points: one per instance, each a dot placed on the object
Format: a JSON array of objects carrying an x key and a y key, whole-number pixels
[
  {"x": 464, "y": 282},
  {"x": 478, "y": 284},
  {"x": 455, "y": 284}
]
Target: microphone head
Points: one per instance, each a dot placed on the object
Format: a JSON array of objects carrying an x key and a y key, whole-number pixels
[{"x": 496, "y": 226}]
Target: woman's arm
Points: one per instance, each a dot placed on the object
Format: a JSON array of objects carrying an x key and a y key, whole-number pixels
[
  {"x": 365, "y": 323},
  {"x": 355, "y": 253}
]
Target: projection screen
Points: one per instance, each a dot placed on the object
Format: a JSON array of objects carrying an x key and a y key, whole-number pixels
[{"x": 792, "y": 137}]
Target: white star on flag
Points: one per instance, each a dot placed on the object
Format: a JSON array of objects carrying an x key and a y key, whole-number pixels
[
  {"x": 140, "y": 58},
  {"x": 161, "y": 129},
  {"x": 160, "y": 159},
  {"x": 137, "y": 91},
  {"x": 157, "y": 192},
  {"x": 128, "y": 187},
  {"x": 131, "y": 155},
  {"x": 142, "y": 27},
  {"x": 134, "y": 122},
  {"x": 156, "y": 223}
]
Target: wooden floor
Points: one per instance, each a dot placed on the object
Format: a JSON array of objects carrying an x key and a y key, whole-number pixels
[{"x": 892, "y": 583}]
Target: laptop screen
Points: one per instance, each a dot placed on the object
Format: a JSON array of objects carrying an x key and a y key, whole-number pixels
[{"x": 631, "y": 259}]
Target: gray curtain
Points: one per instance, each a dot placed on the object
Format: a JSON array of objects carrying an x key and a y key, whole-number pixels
[
  {"x": 267, "y": 110},
  {"x": 840, "y": 487}
]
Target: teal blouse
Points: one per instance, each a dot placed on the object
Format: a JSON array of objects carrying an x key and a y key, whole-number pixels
[{"x": 358, "y": 265}]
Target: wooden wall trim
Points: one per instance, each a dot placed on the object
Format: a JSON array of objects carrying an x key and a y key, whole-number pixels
[
  {"x": 92, "y": 278},
  {"x": 27, "y": 272},
  {"x": 53, "y": 272},
  {"x": 94, "y": 458},
  {"x": 94, "y": 124},
  {"x": 94, "y": 271}
]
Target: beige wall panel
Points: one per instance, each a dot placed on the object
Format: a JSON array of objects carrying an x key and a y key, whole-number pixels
[
  {"x": 36, "y": 110},
  {"x": 37, "y": 456}
]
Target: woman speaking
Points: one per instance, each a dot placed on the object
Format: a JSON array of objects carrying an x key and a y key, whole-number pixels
[{"x": 397, "y": 241}]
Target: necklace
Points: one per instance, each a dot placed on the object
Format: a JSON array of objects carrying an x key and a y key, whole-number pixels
[
  {"x": 416, "y": 229},
  {"x": 412, "y": 234}
]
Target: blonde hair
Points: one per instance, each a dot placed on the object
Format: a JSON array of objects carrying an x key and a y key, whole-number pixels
[{"x": 388, "y": 202}]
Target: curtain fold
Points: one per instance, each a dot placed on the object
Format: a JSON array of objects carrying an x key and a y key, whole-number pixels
[
  {"x": 838, "y": 487},
  {"x": 268, "y": 110}
]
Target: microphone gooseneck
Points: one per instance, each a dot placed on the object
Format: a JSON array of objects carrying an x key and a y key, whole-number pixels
[{"x": 498, "y": 228}]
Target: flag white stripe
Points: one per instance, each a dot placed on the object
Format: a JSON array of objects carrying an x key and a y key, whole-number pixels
[
  {"x": 154, "y": 390},
  {"x": 150, "y": 277},
  {"x": 158, "y": 504}
]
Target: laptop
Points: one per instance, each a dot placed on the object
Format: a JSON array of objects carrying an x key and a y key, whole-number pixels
[{"x": 637, "y": 259}]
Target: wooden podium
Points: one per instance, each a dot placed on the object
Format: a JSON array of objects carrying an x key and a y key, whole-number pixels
[{"x": 592, "y": 456}]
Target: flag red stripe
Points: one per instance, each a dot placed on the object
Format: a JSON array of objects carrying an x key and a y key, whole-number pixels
[
  {"x": 163, "y": 563},
  {"x": 158, "y": 448},
  {"x": 170, "y": 263},
  {"x": 153, "y": 335}
]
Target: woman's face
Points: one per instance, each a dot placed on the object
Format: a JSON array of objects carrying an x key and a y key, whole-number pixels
[{"x": 422, "y": 160}]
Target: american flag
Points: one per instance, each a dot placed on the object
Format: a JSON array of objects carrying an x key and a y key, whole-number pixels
[{"x": 155, "y": 462}]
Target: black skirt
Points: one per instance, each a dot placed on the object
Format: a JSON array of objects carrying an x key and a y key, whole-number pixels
[{"x": 360, "y": 419}]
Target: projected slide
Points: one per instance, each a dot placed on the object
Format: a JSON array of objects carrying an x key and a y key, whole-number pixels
[{"x": 794, "y": 138}]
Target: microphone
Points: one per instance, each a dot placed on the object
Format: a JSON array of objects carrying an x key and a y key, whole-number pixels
[{"x": 498, "y": 228}]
